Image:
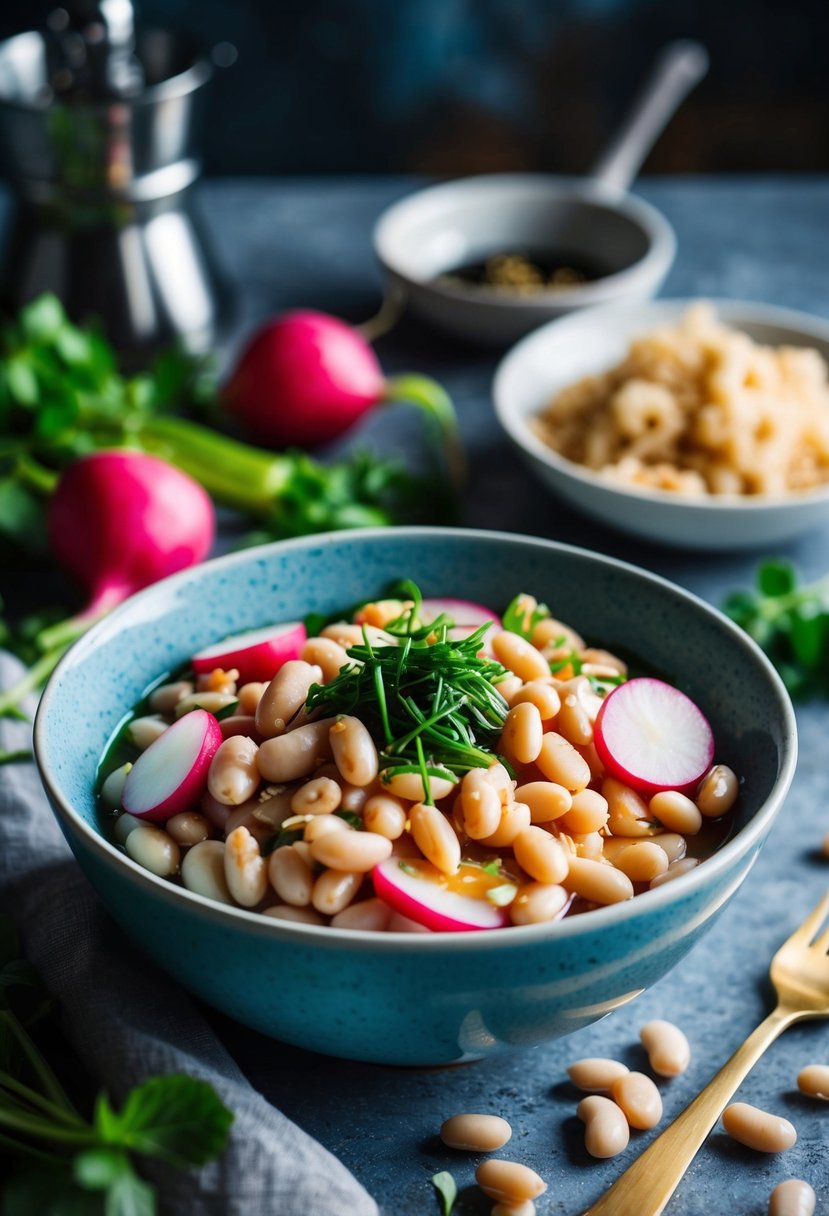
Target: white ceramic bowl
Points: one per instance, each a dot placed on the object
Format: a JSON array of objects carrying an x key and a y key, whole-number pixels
[
  {"x": 446, "y": 226},
  {"x": 568, "y": 349}
]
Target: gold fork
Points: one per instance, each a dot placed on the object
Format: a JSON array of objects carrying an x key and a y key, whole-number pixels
[{"x": 800, "y": 975}]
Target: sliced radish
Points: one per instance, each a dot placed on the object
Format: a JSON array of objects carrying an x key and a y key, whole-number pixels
[
  {"x": 467, "y": 617},
  {"x": 171, "y": 775},
  {"x": 652, "y": 737},
  {"x": 418, "y": 890},
  {"x": 257, "y": 655}
]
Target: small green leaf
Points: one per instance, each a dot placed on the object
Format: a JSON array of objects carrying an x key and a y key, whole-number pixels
[
  {"x": 73, "y": 346},
  {"x": 22, "y": 381},
  {"x": 808, "y": 631},
  {"x": 41, "y": 320},
  {"x": 21, "y": 512},
  {"x": 96, "y": 1169},
  {"x": 522, "y": 620},
  {"x": 741, "y": 606},
  {"x": 177, "y": 1118},
  {"x": 129, "y": 1196},
  {"x": 276, "y": 841},
  {"x": 776, "y": 578},
  {"x": 446, "y": 1187}
]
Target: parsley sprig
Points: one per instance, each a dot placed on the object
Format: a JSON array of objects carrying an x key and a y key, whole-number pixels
[
  {"x": 430, "y": 701},
  {"x": 54, "y": 1158},
  {"x": 790, "y": 621}
]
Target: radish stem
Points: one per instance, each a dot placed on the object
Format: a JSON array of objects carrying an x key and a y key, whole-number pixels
[{"x": 238, "y": 475}]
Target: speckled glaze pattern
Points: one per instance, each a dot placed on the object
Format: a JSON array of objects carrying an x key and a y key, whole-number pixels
[{"x": 354, "y": 994}]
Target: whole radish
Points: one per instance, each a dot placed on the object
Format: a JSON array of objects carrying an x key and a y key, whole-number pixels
[
  {"x": 120, "y": 520},
  {"x": 306, "y": 378},
  {"x": 117, "y": 521}
]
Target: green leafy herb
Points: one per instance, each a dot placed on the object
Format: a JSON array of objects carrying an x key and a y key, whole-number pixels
[
  {"x": 523, "y": 614},
  {"x": 271, "y": 843},
  {"x": 430, "y": 702},
  {"x": 791, "y": 624},
  {"x": 446, "y": 1187},
  {"x": 60, "y": 1161}
]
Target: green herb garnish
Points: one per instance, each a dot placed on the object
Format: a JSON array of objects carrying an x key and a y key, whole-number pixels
[
  {"x": 521, "y": 617},
  {"x": 791, "y": 624},
  {"x": 271, "y": 843},
  {"x": 430, "y": 702},
  {"x": 61, "y": 1160},
  {"x": 446, "y": 1187}
]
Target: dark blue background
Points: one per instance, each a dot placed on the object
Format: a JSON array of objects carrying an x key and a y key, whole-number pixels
[{"x": 454, "y": 86}]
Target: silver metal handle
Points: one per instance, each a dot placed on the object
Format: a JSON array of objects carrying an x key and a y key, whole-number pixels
[{"x": 680, "y": 66}]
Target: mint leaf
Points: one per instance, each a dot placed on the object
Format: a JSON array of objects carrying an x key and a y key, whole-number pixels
[
  {"x": 177, "y": 1118},
  {"x": 445, "y": 1186}
]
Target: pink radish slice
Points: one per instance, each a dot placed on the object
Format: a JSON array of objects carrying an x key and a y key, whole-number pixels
[
  {"x": 257, "y": 656},
  {"x": 427, "y": 900},
  {"x": 467, "y": 617},
  {"x": 171, "y": 775},
  {"x": 652, "y": 737}
]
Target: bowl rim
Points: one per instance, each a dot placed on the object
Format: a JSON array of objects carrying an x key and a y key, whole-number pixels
[
  {"x": 747, "y": 838},
  {"x": 660, "y": 236},
  {"x": 514, "y": 422}
]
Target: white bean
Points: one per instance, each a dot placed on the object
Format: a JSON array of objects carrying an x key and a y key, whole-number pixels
[
  {"x": 141, "y": 732},
  {"x": 153, "y": 849},
  {"x": 123, "y": 825},
  {"x": 757, "y": 1129},
  {"x": 245, "y": 868},
  {"x": 295, "y": 754},
  {"x": 596, "y": 1074},
  {"x": 290, "y": 877},
  {"x": 165, "y": 698},
  {"x": 286, "y": 693},
  {"x": 233, "y": 776},
  {"x": 606, "y": 1131},
  {"x": 794, "y": 1197},
  {"x": 203, "y": 871},
  {"x": 355, "y": 754},
  {"x": 188, "y": 828},
  {"x": 668, "y": 1049},
  {"x": 475, "y": 1133},
  {"x": 113, "y": 786}
]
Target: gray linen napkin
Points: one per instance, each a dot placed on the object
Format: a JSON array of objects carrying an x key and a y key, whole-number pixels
[{"x": 128, "y": 1021}]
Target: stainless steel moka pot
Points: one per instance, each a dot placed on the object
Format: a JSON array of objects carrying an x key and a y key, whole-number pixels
[{"x": 98, "y": 128}]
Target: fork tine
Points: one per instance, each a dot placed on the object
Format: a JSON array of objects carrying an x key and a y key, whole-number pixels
[{"x": 813, "y": 923}]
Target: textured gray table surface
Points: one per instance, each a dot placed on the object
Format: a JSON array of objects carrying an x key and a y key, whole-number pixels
[
  {"x": 309, "y": 243},
  {"x": 287, "y": 244}
]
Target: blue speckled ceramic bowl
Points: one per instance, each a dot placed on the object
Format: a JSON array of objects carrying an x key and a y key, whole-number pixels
[{"x": 397, "y": 998}]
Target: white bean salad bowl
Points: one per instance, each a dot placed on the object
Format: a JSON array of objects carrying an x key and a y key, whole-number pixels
[{"x": 414, "y": 998}]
